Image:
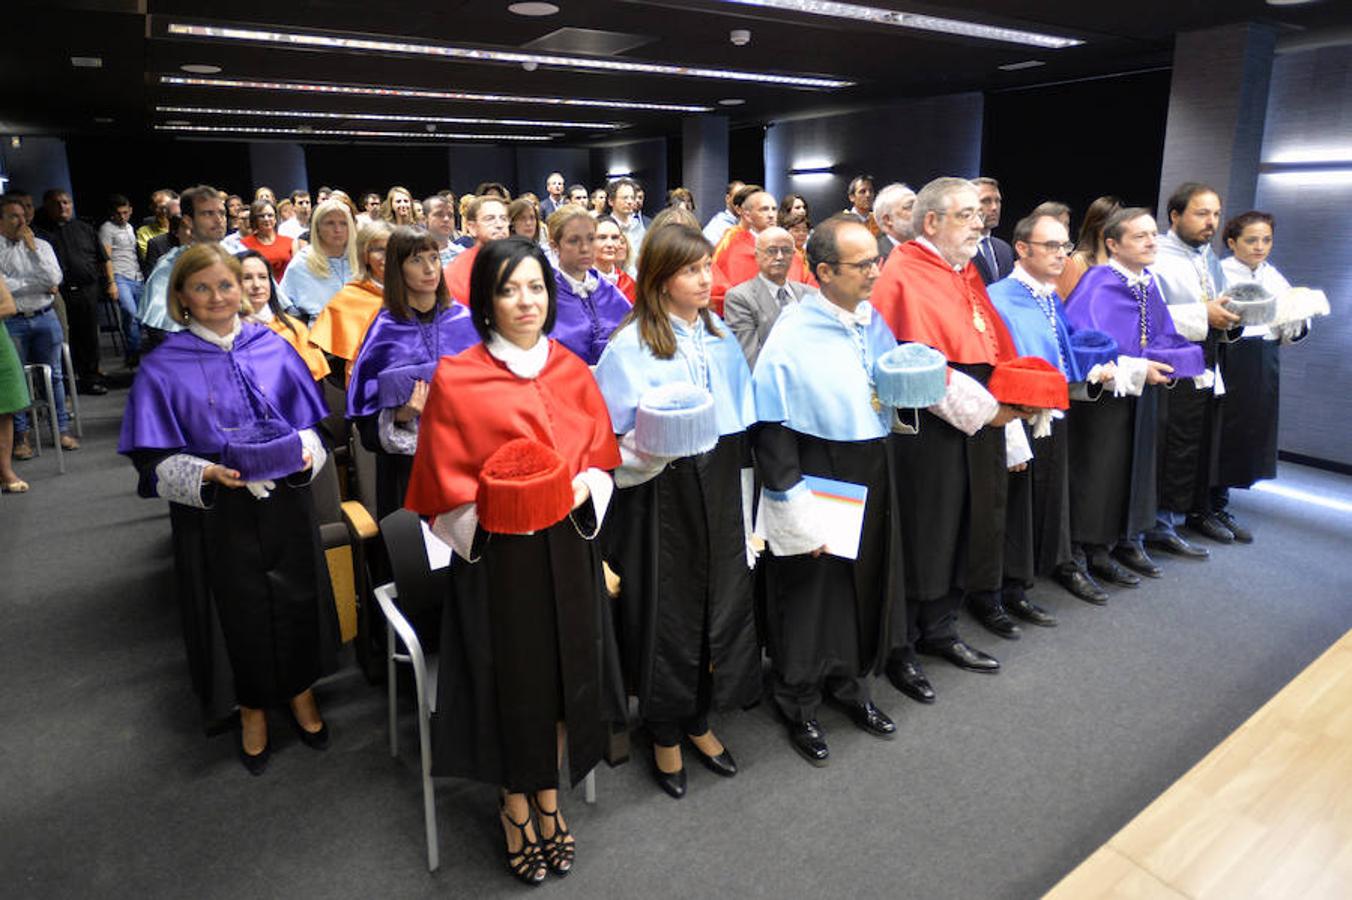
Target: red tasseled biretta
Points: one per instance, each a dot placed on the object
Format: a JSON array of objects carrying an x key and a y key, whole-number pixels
[
  {"x": 523, "y": 487},
  {"x": 1030, "y": 381}
]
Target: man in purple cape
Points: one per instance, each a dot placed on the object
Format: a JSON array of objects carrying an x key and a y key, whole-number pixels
[{"x": 1113, "y": 441}]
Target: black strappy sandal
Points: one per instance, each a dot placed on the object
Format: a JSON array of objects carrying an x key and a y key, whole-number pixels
[
  {"x": 559, "y": 852},
  {"x": 527, "y": 864}
]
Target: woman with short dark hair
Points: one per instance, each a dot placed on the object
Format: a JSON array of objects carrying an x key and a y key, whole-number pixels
[{"x": 527, "y": 655}]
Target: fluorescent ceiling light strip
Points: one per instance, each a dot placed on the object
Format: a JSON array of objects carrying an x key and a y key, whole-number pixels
[
  {"x": 878, "y": 16},
  {"x": 380, "y": 117},
  {"x": 363, "y": 90},
  {"x": 345, "y": 132},
  {"x": 474, "y": 54}
]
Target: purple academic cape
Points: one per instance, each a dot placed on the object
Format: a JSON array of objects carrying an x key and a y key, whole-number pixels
[
  {"x": 585, "y": 325},
  {"x": 189, "y": 396},
  {"x": 1102, "y": 301},
  {"x": 394, "y": 342}
]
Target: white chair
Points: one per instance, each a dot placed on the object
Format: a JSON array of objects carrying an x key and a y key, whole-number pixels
[
  {"x": 72, "y": 395},
  {"x": 41, "y": 373}
]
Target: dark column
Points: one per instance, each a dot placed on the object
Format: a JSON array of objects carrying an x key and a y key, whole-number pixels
[{"x": 704, "y": 163}]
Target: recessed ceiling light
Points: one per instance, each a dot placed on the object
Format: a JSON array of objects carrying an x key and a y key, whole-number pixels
[
  {"x": 1288, "y": 2},
  {"x": 532, "y": 9},
  {"x": 364, "y": 90},
  {"x": 1026, "y": 64},
  {"x": 731, "y": 101},
  {"x": 900, "y": 19},
  {"x": 478, "y": 54},
  {"x": 200, "y": 69},
  {"x": 87, "y": 62},
  {"x": 103, "y": 120},
  {"x": 384, "y": 117},
  {"x": 343, "y": 132}
]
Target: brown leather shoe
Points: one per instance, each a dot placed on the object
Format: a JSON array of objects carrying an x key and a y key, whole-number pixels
[
  {"x": 23, "y": 449},
  {"x": 69, "y": 442}
]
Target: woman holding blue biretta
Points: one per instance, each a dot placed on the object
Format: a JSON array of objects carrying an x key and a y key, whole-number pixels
[
  {"x": 679, "y": 394},
  {"x": 417, "y": 325},
  {"x": 220, "y": 422}
]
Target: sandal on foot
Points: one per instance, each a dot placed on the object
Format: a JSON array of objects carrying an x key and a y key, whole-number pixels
[
  {"x": 528, "y": 863},
  {"x": 14, "y": 487},
  {"x": 559, "y": 851}
]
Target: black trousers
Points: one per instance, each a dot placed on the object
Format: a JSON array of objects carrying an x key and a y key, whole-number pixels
[{"x": 82, "y": 318}]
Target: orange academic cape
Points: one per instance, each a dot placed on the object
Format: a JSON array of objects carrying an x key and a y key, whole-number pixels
[
  {"x": 456, "y": 274},
  {"x": 299, "y": 339},
  {"x": 924, "y": 300},
  {"x": 341, "y": 325},
  {"x": 735, "y": 262},
  {"x": 476, "y": 405}
]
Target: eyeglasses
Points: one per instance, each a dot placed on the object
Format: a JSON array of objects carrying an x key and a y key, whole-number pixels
[
  {"x": 963, "y": 215},
  {"x": 776, "y": 251},
  {"x": 1054, "y": 246},
  {"x": 863, "y": 266}
]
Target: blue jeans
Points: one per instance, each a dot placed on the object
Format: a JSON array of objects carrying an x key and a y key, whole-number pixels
[
  {"x": 128, "y": 297},
  {"x": 38, "y": 340}
]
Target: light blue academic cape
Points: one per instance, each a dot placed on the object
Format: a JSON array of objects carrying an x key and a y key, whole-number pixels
[{"x": 308, "y": 292}]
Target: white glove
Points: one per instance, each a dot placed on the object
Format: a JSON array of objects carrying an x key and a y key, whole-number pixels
[{"x": 261, "y": 489}]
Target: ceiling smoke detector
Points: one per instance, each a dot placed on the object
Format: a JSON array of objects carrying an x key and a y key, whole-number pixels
[{"x": 740, "y": 37}]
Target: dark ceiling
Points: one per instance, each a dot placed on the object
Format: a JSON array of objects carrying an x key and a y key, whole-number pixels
[{"x": 45, "y": 94}]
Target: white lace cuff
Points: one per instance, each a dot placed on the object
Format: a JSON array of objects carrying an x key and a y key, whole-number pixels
[
  {"x": 396, "y": 438},
  {"x": 601, "y": 486},
  {"x": 1130, "y": 378},
  {"x": 1190, "y": 320},
  {"x": 967, "y": 406},
  {"x": 787, "y": 520},
  {"x": 178, "y": 479},
  {"x": 457, "y": 528},
  {"x": 1017, "y": 449},
  {"x": 636, "y": 467},
  {"x": 310, "y": 440}
]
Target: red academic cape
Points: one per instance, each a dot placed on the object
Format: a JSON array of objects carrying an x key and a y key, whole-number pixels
[
  {"x": 924, "y": 300},
  {"x": 476, "y": 405},
  {"x": 735, "y": 262},
  {"x": 456, "y": 274}
]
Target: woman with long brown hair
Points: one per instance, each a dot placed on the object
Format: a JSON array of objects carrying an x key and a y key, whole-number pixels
[
  {"x": 678, "y": 538},
  {"x": 1090, "y": 250}
]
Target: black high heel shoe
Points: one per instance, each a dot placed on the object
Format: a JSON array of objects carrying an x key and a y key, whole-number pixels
[
  {"x": 723, "y": 764},
  {"x": 315, "y": 740},
  {"x": 256, "y": 763},
  {"x": 528, "y": 863},
  {"x": 559, "y": 852}
]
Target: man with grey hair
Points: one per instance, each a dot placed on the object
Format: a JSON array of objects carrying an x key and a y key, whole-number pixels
[
  {"x": 953, "y": 474},
  {"x": 751, "y": 308},
  {"x": 994, "y": 257},
  {"x": 892, "y": 211},
  {"x": 554, "y": 199}
]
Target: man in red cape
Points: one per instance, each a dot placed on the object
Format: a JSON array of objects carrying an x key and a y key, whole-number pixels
[
  {"x": 485, "y": 220},
  {"x": 735, "y": 256}
]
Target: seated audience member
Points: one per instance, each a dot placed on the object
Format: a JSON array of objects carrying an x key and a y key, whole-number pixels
[
  {"x": 735, "y": 256},
  {"x": 791, "y": 205},
  {"x": 236, "y": 216},
  {"x": 799, "y": 226},
  {"x": 681, "y": 197},
  {"x": 417, "y": 325},
  {"x": 727, "y": 217},
  {"x": 892, "y": 211},
  {"x": 523, "y": 218},
  {"x": 163, "y": 204},
  {"x": 860, "y": 195},
  {"x": 322, "y": 268},
  {"x": 612, "y": 248},
  {"x": 577, "y": 194},
  {"x": 261, "y": 305},
  {"x": 398, "y": 206},
  {"x": 246, "y": 543},
  {"x": 622, "y": 195},
  {"x": 178, "y": 235},
  {"x": 341, "y": 325},
  {"x": 589, "y": 308},
  {"x": 598, "y": 203},
  {"x": 485, "y": 220},
  {"x": 300, "y": 222},
  {"x": 264, "y": 238},
  {"x": 440, "y": 213},
  {"x": 752, "y": 307},
  {"x": 554, "y": 196},
  {"x": 370, "y": 208}
]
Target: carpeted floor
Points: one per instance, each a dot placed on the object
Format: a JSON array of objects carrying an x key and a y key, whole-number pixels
[{"x": 108, "y": 789}]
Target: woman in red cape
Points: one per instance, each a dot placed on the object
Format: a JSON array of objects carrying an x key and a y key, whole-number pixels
[{"x": 528, "y": 664}]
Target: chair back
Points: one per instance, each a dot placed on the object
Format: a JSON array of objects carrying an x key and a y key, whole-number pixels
[{"x": 421, "y": 588}]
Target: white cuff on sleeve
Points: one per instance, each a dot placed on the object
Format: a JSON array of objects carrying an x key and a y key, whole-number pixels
[
  {"x": 178, "y": 479},
  {"x": 967, "y": 406},
  {"x": 310, "y": 440},
  {"x": 1130, "y": 378},
  {"x": 396, "y": 438},
  {"x": 457, "y": 528},
  {"x": 1017, "y": 449},
  {"x": 636, "y": 467},
  {"x": 601, "y": 486},
  {"x": 787, "y": 519}
]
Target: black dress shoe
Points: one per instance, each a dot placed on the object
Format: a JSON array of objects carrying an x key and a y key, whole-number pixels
[
  {"x": 1081, "y": 585},
  {"x": 1106, "y": 568},
  {"x": 723, "y": 764},
  {"x": 911, "y": 681},
  {"x": 1134, "y": 557},
  {"x": 1242, "y": 534},
  {"x": 962, "y": 656},
  {"x": 671, "y": 782},
  {"x": 256, "y": 763},
  {"x": 807, "y": 739},
  {"x": 93, "y": 388},
  {"x": 1016, "y": 603},
  {"x": 315, "y": 740},
  {"x": 1174, "y": 544},
  {"x": 987, "y": 609},
  {"x": 1209, "y": 526},
  {"x": 872, "y": 719}
]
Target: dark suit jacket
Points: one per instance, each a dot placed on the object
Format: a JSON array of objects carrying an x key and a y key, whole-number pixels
[
  {"x": 548, "y": 206},
  {"x": 885, "y": 246},
  {"x": 750, "y": 310},
  {"x": 1004, "y": 258}
]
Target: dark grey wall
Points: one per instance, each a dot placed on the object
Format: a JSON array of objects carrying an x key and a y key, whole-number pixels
[
  {"x": 704, "y": 163},
  {"x": 533, "y": 165},
  {"x": 910, "y": 140},
  {"x": 1310, "y": 120},
  {"x": 37, "y": 164},
  {"x": 280, "y": 165},
  {"x": 645, "y": 160}
]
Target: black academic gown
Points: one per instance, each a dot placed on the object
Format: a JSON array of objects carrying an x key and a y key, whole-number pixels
[
  {"x": 817, "y": 638},
  {"x": 1113, "y": 458},
  {"x": 1248, "y": 440},
  {"x": 1190, "y": 428},
  {"x": 1050, "y": 477},
  {"x": 677, "y": 542}
]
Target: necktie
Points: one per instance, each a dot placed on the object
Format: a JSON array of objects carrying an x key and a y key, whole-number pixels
[
  {"x": 783, "y": 296},
  {"x": 990, "y": 256}
]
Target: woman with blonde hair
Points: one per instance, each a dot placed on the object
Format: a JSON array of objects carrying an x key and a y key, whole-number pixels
[
  {"x": 327, "y": 262},
  {"x": 221, "y": 422},
  {"x": 398, "y": 206},
  {"x": 589, "y": 306},
  {"x": 341, "y": 325},
  {"x": 677, "y": 537}
]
